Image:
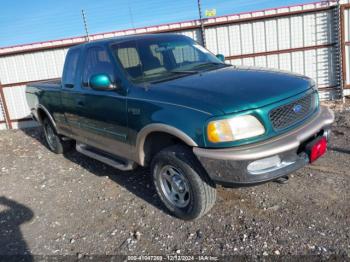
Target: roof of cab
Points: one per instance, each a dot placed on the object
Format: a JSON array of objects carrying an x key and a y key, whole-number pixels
[{"x": 127, "y": 37}]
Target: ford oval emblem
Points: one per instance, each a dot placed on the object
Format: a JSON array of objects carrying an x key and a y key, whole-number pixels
[{"x": 297, "y": 109}]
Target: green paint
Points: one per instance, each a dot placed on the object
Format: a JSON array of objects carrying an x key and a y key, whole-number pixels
[{"x": 186, "y": 100}]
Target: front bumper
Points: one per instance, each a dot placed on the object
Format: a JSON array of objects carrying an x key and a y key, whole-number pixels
[{"x": 230, "y": 165}]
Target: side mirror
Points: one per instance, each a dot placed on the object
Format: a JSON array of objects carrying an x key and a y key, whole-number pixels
[
  {"x": 220, "y": 57},
  {"x": 101, "y": 82}
]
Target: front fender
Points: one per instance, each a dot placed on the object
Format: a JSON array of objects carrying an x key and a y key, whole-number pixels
[
  {"x": 144, "y": 132},
  {"x": 147, "y": 115}
]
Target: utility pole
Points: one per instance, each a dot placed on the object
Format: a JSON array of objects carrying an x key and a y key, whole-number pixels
[
  {"x": 201, "y": 22},
  {"x": 85, "y": 25}
]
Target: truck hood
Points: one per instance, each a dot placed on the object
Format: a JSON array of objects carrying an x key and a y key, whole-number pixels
[{"x": 231, "y": 89}]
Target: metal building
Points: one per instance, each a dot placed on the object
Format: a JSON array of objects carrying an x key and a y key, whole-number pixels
[{"x": 310, "y": 39}]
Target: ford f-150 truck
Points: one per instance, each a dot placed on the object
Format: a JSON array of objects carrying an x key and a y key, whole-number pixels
[{"x": 165, "y": 102}]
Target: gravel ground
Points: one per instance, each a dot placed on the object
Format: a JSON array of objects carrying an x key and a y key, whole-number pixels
[{"x": 72, "y": 205}]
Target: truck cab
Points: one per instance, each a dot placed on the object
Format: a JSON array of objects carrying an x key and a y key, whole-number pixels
[{"x": 167, "y": 103}]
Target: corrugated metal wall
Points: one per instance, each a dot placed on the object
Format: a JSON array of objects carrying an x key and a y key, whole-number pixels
[
  {"x": 279, "y": 43},
  {"x": 300, "y": 39},
  {"x": 31, "y": 66}
]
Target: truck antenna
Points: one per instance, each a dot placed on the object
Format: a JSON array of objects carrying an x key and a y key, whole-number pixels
[
  {"x": 131, "y": 16},
  {"x": 85, "y": 25}
]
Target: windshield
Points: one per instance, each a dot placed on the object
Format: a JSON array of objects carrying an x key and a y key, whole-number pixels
[{"x": 163, "y": 58}]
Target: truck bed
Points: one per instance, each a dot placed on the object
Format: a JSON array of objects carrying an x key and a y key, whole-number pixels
[
  {"x": 54, "y": 83},
  {"x": 46, "y": 93}
]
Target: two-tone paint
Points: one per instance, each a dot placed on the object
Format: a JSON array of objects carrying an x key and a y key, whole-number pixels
[{"x": 119, "y": 121}]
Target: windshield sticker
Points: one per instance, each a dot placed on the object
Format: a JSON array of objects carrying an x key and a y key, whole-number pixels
[{"x": 164, "y": 48}]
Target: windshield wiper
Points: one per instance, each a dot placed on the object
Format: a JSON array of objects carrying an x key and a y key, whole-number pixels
[
  {"x": 188, "y": 72},
  {"x": 211, "y": 64},
  {"x": 175, "y": 74}
]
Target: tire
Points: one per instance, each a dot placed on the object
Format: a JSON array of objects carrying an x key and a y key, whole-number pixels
[
  {"x": 182, "y": 183},
  {"x": 53, "y": 140}
]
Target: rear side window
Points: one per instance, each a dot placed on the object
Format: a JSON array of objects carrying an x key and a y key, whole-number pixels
[
  {"x": 70, "y": 67},
  {"x": 97, "y": 62}
]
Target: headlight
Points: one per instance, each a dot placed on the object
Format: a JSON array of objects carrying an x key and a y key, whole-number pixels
[{"x": 235, "y": 128}]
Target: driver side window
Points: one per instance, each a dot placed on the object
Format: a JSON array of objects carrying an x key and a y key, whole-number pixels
[{"x": 97, "y": 61}]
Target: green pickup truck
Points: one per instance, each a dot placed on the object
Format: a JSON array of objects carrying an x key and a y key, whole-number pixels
[{"x": 165, "y": 102}]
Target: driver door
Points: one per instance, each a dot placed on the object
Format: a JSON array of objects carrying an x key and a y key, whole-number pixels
[{"x": 103, "y": 119}]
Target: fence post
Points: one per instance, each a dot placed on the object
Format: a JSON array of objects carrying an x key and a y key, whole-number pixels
[
  {"x": 342, "y": 53},
  {"x": 4, "y": 105},
  {"x": 340, "y": 46}
]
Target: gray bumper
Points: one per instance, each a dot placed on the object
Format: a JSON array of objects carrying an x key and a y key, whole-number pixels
[{"x": 229, "y": 165}]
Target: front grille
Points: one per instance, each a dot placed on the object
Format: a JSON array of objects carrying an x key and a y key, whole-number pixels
[{"x": 287, "y": 115}]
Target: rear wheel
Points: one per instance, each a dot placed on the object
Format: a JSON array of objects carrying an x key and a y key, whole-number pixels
[
  {"x": 53, "y": 140},
  {"x": 182, "y": 183}
]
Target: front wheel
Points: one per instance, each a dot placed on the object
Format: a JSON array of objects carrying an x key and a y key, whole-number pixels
[
  {"x": 182, "y": 183},
  {"x": 53, "y": 140}
]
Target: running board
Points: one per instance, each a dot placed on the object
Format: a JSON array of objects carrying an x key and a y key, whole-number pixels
[{"x": 108, "y": 159}]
